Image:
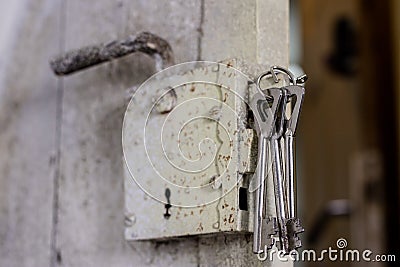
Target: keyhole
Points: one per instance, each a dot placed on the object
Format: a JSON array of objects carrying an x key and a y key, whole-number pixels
[{"x": 168, "y": 205}]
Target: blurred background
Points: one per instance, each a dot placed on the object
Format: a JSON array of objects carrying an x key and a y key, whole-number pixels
[
  {"x": 60, "y": 143},
  {"x": 348, "y": 141}
]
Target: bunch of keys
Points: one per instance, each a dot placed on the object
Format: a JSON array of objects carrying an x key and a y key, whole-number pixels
[{"x": 276, "y": 112}]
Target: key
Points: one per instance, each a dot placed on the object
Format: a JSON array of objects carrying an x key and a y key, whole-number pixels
[
  {"x": 293, "y": 225},
  {"x": 265, "y": 115},
  {"x": 279, "y": 189},
  {"x": 271, "y": 130}
]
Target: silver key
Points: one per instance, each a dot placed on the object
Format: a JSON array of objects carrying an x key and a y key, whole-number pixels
[
  {"x": 279, "y": 189},
  {"x": 265, "y": 115},
  {"x": 271, "y": 129},
  {"x": 296, "y": 94}
]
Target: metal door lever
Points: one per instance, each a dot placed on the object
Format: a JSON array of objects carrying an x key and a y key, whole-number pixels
[{"x": 89, "y": 56}]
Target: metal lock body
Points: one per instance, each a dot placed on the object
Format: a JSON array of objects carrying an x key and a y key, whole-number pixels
[{"x": 190, "y": 165}]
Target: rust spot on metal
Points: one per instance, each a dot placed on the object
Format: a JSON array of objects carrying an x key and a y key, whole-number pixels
[{"x": 166, "y": 102}]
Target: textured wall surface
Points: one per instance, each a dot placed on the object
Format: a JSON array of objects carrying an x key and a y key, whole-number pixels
[{"x": 61, "y": 173}]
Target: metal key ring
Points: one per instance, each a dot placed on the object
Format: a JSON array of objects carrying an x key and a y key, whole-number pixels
[
  {"x": 277, "y": 69},
  {"x": 272, "y": 72},
  {"x": 293, "y": 80}
]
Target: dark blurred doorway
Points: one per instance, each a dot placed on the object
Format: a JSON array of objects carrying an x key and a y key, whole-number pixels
[{"x": 348, "y": 136}]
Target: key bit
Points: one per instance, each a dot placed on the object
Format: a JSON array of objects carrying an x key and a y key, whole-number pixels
[
  {"x": 283, "y": 236},
  {"x": 294, "y": 227},
  {"x": 269, "y": 230}
]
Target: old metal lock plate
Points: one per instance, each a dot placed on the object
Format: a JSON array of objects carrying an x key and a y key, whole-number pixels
[{"x": 187, "y": 148}]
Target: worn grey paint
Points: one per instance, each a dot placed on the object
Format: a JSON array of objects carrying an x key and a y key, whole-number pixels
[
  {"x": 28, "y": 98},
  {"x": 61, "y": 173}
]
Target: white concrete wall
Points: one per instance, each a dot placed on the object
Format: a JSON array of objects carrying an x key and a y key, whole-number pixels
[{"x": 61, "y": 174}]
